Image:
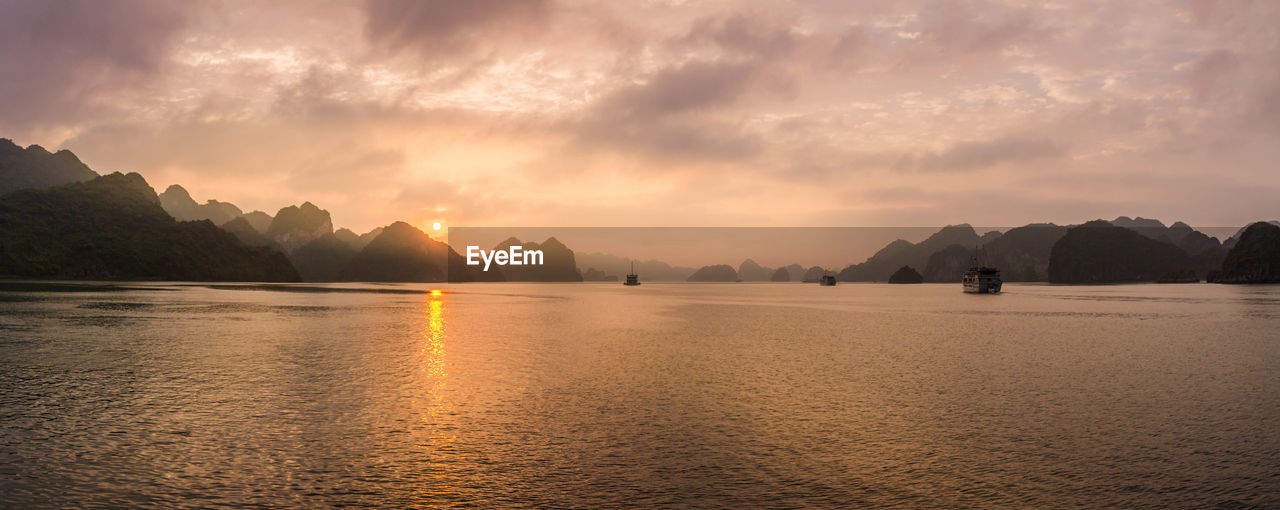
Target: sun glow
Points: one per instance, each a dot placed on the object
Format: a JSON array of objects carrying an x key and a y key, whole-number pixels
[{"x": 435, "y": 226}]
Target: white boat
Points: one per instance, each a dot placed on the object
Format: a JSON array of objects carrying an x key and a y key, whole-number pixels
[{"x": 982, "y": 280}]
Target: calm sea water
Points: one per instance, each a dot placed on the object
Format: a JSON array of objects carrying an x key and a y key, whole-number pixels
[{"x": 586, "y": 395}]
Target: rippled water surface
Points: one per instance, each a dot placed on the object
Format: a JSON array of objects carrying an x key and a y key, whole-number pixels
[{"x": 585, "y": 395}]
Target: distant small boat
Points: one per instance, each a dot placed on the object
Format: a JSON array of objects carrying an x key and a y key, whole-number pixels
[
  {"x": 827, "y": 279},
  {"x": 982, "y": 280},
  {"x": 632, "y": 277}
]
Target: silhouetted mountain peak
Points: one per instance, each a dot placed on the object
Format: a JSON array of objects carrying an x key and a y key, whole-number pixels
[
  {"x": 68, "y": 158},
  {"x": 400, "y": 253},
  {"x": 347, "y": 237},
  {"x": 35, "y": 168},
  {"x": 558, "y": 264},
  {"x": 750, "y": 271},
  {"x": 952, "y": 234},
  {"x": 1254, "y": 258},
  {"x": 177, "y": 192},
  {"x": 906, "y": 274},
  {"x": 261, "y": 221},
  {"x": 295, "y": 226},
  {"x": 714, "y": 273},
  {"x": 113, "y": 227},
  {"x": 553, "y": 244},
  {"x": 902, "y": 253},
  {"x": 399, "y": 233},
  {"x": 131, "y": 182},
  {"x": 892, "y": 248},
  {"x": 1139, "y": 222},
  {"x": 179, "y": 204},
  {"x": 1102, "y": 252}
]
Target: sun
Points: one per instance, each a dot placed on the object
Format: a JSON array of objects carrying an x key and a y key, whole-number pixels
[{"x": 435, "y": 226}]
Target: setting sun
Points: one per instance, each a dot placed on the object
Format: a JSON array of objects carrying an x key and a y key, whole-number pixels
[{"x": 728, "y": 253}]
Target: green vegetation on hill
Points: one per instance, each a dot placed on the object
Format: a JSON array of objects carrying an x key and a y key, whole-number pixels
[
  {"x": 244, "y": 231},
  {"x": 900, "y": 253},
  {"x": 906, "y": 274},
  {"x": 323, "y": 259},
  {"x": 401, "y": 253},
  {"x": 1099, "y": 252},
  {"x": 1255, "y": 257},
  {"x": 35, "y": 168},
  {"x": 113, "y": 228},
  {"x": 948, "y": 264},
  {"x": 178, "y": 203},
  {"x": 295, "y": 226},
  {"x": 1022, "y": 254}
]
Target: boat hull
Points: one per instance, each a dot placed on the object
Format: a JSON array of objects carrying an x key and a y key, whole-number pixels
[
  {"x": 982, "y": 280},
  {"x": 980, "y": 287}
]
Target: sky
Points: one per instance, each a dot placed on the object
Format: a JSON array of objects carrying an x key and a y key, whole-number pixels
[{"x": 665, "y": 113}]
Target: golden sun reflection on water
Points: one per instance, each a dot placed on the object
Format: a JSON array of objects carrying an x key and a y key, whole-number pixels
[
  {"x": 440, "y": 435},
  {"x": 434, "y": 347}
]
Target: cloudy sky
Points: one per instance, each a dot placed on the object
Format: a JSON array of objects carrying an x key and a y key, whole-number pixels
[{"x": 660, "y": 113}]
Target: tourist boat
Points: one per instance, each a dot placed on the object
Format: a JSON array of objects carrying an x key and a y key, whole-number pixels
[
  {"x": 827, "y": 280},
  {"x": 632, "y": 277},
  {"x": 982, "y": 280}
]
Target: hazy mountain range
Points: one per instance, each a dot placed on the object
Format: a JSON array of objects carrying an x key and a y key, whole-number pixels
[
  {"x": 59, "y": 219},
  {"x": 36, "y": 168},
  {"x": 113, "y": 228}
]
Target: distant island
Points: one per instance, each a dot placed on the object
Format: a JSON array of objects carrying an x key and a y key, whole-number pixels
[
  {"x": 1255, "y": 258},
  {"x": 906, "y": 274},
  {"x": 715, "y": 273},
  {"x": 61, "y": 220}
]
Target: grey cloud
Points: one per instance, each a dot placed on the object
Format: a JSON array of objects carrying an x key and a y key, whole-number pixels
[
  {"x": 696, "y": 91},
  {"x": 61, "y": 59},
  {"x": 977, "y": 155},
  {"x": 439, "y": 28},
  {"x": 957, "y": 30},
  {"x": 744, "y": 34},
  {"x": 1212, "y": 75},
  {"x": 777, "y": 43},
  {"x": 1245, "y": 88},
  {"x": 690, "y": 87},
  {"x": 675, "y": 113}
]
